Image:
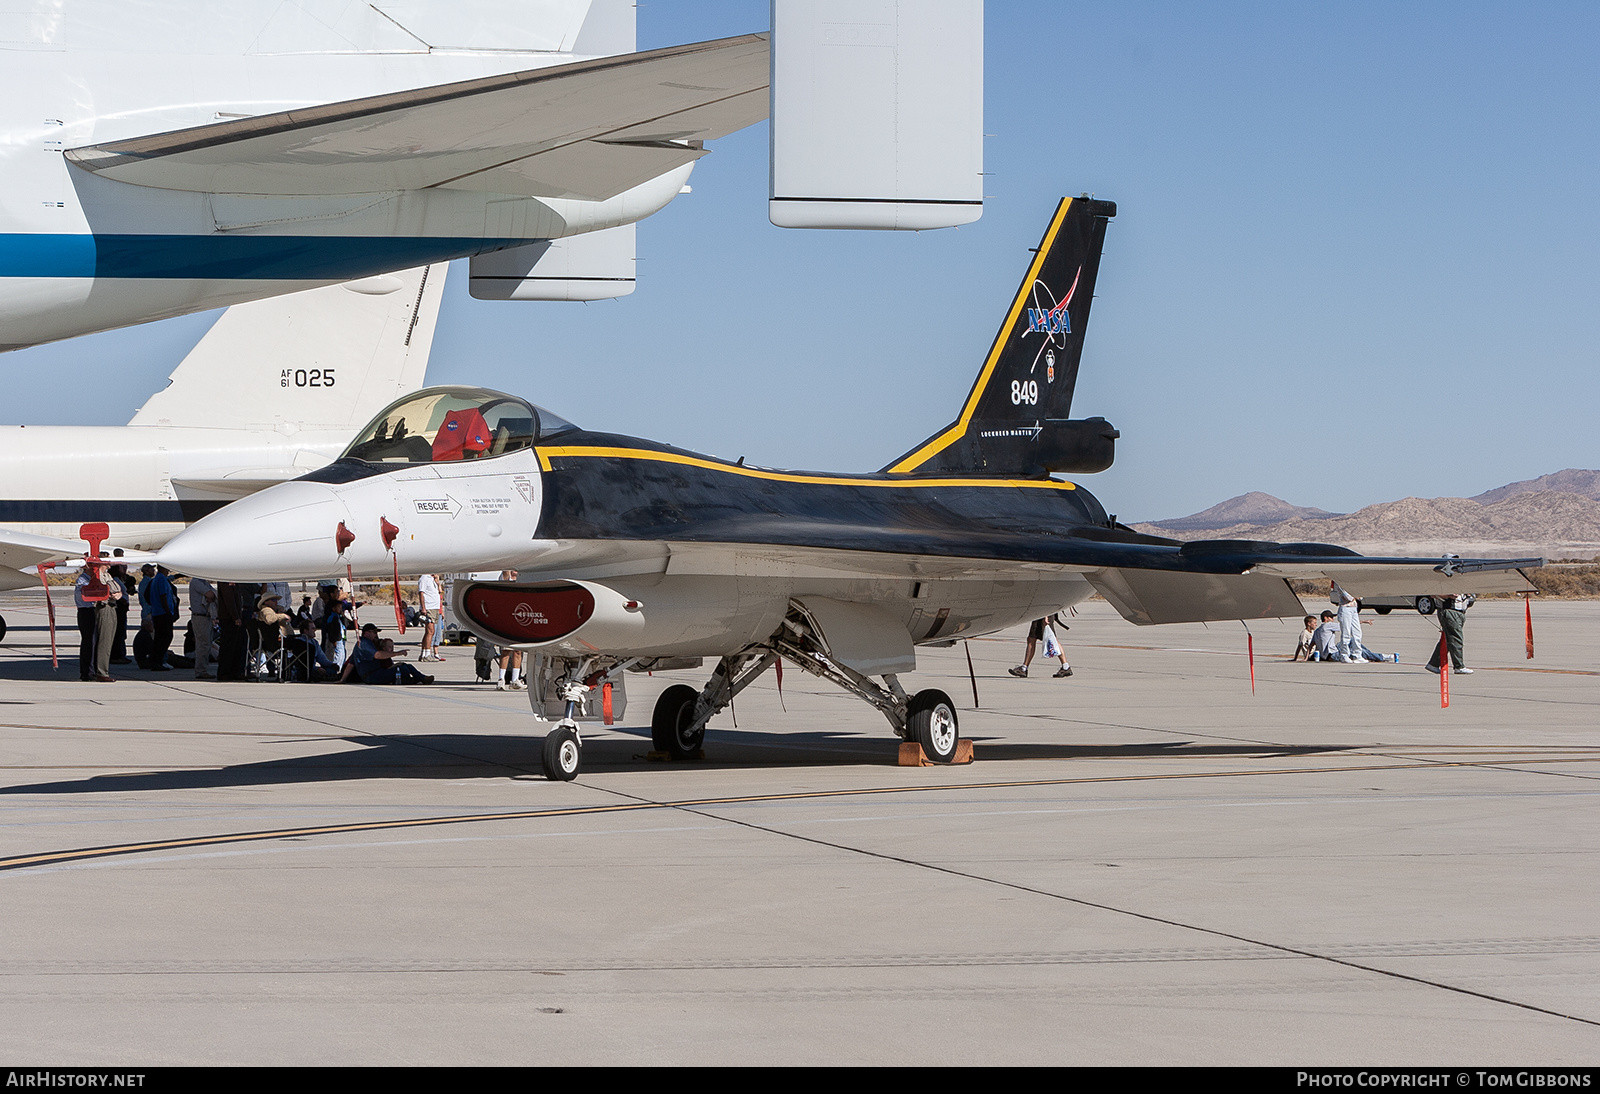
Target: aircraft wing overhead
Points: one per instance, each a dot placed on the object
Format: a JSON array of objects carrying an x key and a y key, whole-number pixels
[
  {"x": 20, "y": 552},
  {"x": 590, "y": 130}
]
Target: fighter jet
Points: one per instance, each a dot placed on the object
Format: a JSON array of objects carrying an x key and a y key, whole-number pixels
[{"x": 637, "y": 555}]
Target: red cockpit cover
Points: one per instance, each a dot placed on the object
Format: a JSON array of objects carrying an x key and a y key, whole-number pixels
[{"x": 463, "y": 431}]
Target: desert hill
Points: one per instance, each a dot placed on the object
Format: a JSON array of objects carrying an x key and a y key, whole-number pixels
[
  {"x": 1252, "y": 508},
  {"x": 1558, "y": 523},
  {"x": 1571, "y": 481}
]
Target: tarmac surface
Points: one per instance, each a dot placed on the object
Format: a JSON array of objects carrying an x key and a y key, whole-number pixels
[{"x": 1147, "y": 864}]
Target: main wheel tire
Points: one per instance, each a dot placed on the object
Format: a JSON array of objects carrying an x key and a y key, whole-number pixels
[
  {"x": 1425, "y": 605},
  {"x": 563, "y": 755},
  {"x": 931, "y": 718},
  {"x": 2, "y": 628},
  {"x": 669, "y": 723}
]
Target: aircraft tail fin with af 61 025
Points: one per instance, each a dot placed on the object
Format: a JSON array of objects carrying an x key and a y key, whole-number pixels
[
  {"x": 323, "y": 359},
  {"x": 1015, "y": 420}
]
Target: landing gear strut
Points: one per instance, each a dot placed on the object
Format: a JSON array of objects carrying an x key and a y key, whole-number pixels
[
  {"x": 563, "y": 748},
  {"x": 927, "y": 718},
  {"x": 678, "y": 725}
]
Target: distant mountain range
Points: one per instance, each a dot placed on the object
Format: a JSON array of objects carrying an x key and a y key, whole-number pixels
[
  {"x": 1570, "y": 481},
  {"x": 1556, "y": 515}
]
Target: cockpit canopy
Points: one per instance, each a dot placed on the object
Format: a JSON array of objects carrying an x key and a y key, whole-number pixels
[{"x": 442, "y": 424}]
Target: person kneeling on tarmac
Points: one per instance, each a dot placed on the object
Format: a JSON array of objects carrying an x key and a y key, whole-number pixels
[{"x": 374, "y": 662}]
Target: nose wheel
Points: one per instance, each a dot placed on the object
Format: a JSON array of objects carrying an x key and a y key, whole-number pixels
[{"x": 563, "y": 750}]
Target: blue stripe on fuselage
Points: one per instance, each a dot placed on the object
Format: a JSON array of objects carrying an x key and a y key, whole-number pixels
[{"x": 230, "y": 258}]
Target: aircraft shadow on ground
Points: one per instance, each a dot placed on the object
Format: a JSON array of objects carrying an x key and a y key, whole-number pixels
[{"x": 467, "y": 756}]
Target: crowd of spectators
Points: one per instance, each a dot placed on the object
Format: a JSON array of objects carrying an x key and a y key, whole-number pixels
[{"x": 236, "y": 631}]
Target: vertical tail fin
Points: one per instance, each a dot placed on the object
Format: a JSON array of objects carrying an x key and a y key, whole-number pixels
[
  {"x": 325, "y": 359},
  {"x": 1014, "y": 421}
]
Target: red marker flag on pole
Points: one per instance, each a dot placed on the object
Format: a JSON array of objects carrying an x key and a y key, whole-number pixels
[
  {"x": 1250, "y": 646},
  {"x": 399, "y": 612},
  {"x": 1444, "y": 672},
  {"x": 50, "y": 609},
  {"x": 1527, "y": 616}
]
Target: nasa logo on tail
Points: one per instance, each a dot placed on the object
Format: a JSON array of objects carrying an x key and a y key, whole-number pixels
[{"x": 1049, "y": 317}]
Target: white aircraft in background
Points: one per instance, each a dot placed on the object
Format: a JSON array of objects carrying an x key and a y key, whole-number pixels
[
  {"x": 275, "y": 389},
  {"x": 162, "y": 158}
]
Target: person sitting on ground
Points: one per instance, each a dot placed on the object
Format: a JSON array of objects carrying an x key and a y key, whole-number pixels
[
  {"x": 1302, "y": 649},
  {"x": 1325, "y": 639},
  {"x": 375, "y": 662}
]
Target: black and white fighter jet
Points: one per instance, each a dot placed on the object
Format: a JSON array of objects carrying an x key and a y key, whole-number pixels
[{"x": 637, "y": 555}]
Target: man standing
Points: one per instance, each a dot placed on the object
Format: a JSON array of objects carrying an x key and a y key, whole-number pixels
[
  {"x": 119, "y": 647},
  {"x": 230, "y": 632},
  {"x": 97, "y": 624},
  {"x": 1349, "y": 624},
  {"x": 202, "y": 612},
  {"x": 141, "y": 649},
  {"x": 509, "y": 674},
  {"x": 163, "y": 616},
  {"x": 432, "y": 610},
  {"x": 1453, "y": 623}
]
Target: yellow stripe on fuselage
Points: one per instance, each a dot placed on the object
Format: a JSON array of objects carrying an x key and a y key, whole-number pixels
[
  {"x": 601, "y": 452},
  {"x": 959, "y": 430}
]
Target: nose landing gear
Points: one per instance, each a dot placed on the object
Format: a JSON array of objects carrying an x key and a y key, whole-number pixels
[{"x": 562, "y": 754}]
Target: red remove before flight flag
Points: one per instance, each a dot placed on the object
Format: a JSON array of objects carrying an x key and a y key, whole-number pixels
[
  {"x": 1250, "y": 648},
  {"x": 50, "y": 609},
  {"x": 1444, "y": 672},
  {"x": 399, "y": 612},
  {"x": 389, "y": 532}
]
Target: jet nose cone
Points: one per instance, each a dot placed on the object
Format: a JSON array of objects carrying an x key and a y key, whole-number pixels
[{"x": 284, "y": 532}]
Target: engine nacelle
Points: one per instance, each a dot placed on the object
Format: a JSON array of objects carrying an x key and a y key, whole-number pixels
[{"x": 576, "y": 617}]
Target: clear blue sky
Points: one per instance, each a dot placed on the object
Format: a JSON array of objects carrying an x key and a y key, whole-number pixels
[{"x": 1357, "y": 257}]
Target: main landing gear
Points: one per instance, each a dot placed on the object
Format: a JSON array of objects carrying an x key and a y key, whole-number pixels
[{"x": 678, "y": 724}]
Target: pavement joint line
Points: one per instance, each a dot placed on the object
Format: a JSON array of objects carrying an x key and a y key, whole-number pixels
[
  {"x": 1505, "y": 765},
  {"x": 634, "y": 803},
  {"x": 1151, "y": 918}
]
